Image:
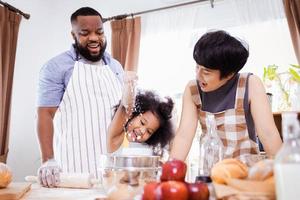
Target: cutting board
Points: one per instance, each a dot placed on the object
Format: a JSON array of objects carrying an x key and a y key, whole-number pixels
[{"x": 14, "y": 190}]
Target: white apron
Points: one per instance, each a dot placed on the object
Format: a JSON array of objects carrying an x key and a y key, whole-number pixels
[{"x": 83, "y": 117}]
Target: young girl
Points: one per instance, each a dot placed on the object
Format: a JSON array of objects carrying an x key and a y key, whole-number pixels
[
  {"x": 237, "y": 100},
  {"x": 149, "y": 123}
]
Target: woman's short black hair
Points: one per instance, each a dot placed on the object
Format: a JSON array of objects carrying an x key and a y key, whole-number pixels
[
  {"x": 219, "y": 50},
  {"x": 84, "y": 11},
  {"x": 162, "y": 108}
]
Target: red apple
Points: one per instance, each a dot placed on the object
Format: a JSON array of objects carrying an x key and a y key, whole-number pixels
[
  {"x": 174, "y": 190},
  {"x": 174, "y": 170},
  {"x": 198, "y": 191},
  {"x": 152, "y": 191}
]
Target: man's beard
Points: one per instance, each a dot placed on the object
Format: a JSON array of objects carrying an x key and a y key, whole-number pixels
[{"x": 86, "y": 53}]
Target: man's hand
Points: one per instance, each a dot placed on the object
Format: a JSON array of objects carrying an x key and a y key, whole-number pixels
[{"x": 48, "y": 173}]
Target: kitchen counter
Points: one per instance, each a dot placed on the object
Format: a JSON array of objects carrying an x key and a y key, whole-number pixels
[
  {"x": 96, "y": 193},
  {"x": 41, "y": 193}
]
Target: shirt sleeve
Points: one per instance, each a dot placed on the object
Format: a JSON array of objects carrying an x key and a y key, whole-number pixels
[{"x": 51, "y": 85}]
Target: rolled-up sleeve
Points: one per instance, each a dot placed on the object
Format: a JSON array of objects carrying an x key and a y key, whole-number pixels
[{"x": 51, "y": 85}]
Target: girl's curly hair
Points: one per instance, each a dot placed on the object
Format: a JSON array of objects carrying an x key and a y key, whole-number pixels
[{"x": 162, "y": 108}]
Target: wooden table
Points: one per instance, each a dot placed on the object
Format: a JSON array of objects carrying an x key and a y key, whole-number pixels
[{"x": 41, "y": 193}]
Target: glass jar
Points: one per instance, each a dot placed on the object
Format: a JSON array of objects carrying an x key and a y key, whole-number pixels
[
  {"x": 123, "y": 176},
  {"x": 211, "y": 148},
  {"x": 287, "y": 160}
]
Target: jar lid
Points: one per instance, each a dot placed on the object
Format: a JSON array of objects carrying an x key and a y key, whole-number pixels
[{"x": 203, "y": 178}]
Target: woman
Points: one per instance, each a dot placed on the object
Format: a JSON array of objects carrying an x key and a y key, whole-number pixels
[
  {"x": 237, "y": 100},
  {"x": 149, "y": 123}
]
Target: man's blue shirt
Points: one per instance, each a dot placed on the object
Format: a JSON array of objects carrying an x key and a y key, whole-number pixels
[{"x": 56, "y": 73}]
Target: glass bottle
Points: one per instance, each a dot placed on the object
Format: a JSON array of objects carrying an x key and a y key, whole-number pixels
[
  {"x": 211, "y": 148},
  {"x": 287, "y": 160}
]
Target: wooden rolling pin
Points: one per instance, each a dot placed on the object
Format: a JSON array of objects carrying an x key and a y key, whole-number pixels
[{"x": 71, "y": 180}]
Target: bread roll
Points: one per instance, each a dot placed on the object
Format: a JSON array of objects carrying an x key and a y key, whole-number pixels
[
  {"x": 262, "y": 170},
  {"x": 5, "y": 175},
  {"x": 252, "y": 186},
  {"x": 228, "y": 168}
]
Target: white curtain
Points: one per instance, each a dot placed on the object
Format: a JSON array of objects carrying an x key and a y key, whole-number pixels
[{"x": 166, "y": 62}]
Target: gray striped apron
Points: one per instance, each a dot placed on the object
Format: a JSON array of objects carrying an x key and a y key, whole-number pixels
[{"x": 83, "y": 117}]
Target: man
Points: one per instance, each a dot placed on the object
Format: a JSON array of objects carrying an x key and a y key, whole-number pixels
[{"x": 77, "y": 92}]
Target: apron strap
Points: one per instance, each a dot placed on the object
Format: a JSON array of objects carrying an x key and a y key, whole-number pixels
[
  {"x": 194, "y": 89},
  {"x": 241, "y": 89}
]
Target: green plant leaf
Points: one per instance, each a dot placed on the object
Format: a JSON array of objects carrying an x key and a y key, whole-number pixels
[
  {"x": 270, "y": 72},
  {"x": 295, "y": 75},
  {"x": 265, "y": 74},
  {"x": 295, "y": 66}
]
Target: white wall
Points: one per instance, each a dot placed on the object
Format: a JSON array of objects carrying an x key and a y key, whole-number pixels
[{"x": 43, "y": 36}]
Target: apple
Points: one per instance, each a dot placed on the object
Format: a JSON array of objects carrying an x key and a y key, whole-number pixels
[
  {"x": 174, "y": 190},
  {"x": 152, "y": 191},
  {"x": 174, "y": 170},
  {"x": 198, "y": 191}
]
